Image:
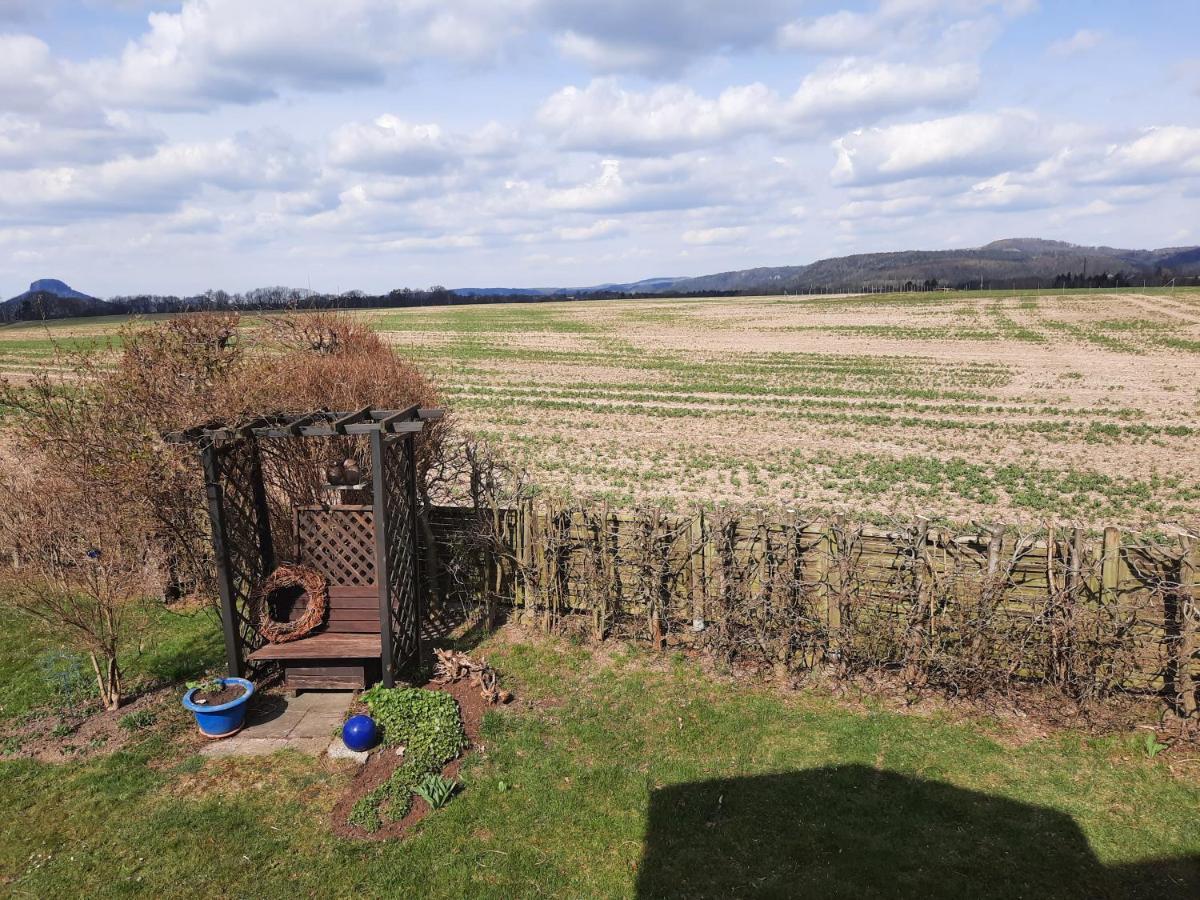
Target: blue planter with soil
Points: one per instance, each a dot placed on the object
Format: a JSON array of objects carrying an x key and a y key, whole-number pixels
[{"x": 217, "y": 714}]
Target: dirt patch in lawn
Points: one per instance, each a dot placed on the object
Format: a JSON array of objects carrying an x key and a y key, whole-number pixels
[
  {"x": 384, "y": 762},
  {"x": 86, "y": 731}
]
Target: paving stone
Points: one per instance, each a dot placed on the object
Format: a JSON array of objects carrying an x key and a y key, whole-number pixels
[
  {"x": 317, "y": 724},
  {"x": 338, "y": 750},
  {"x": 304, "y": 724},
  {"x": 310, "y": 746},
  {"x": 240, "y": 745}
]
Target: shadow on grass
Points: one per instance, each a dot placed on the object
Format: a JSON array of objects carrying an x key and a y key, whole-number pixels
[
  {"x": 181, "y": 646},
  {"x": 854, "y": 831}
]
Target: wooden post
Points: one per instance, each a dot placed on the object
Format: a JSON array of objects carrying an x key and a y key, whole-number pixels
[
  {"x": 919, "y": 622},
  {"x": 216, "y": 516},
  {"x": 262, "y": 512},
  {"x": 995, "y": 545},
  {"x": 1189, "y": 564},
  {"x": 696, "y": 569},
  {"x": 1110, "y": 566},
  {"x": 382, "y": 579},
  {"x": 418, "y": 585},
  {"x": 527, "y": 560},
  {"x": 834, "y": 536}
]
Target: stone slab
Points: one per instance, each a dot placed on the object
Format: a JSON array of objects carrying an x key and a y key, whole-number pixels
[
  {"x": 305, "y": 723},
  {"x": 338, "y": 750}
]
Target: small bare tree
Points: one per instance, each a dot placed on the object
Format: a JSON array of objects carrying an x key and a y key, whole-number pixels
[{"x": 84, "y": 572}]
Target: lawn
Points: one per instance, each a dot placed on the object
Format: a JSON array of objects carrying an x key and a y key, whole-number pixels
[{"x": 620, "y": 773}]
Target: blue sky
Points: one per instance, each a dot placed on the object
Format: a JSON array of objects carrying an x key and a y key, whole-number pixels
[{"x": 173, "y": 147}]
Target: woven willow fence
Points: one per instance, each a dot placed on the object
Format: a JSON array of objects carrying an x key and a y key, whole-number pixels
[{"x": 1088, "y": 613}]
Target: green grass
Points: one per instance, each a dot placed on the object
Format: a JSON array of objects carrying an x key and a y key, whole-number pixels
[
  {"x": 37, "y": 671},
  {"x": 629, "y": 774}
]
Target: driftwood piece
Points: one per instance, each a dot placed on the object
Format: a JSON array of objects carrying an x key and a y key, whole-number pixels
[{"x": 454, "y": 665}]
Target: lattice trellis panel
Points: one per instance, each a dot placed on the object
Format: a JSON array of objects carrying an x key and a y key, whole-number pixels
[
  {"x": 339, "y": 542},
  {"x": 398, "y": 504},
  {"x": 233, "y": 472}
]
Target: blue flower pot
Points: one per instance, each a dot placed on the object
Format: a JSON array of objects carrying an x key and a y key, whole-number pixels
[{"x": 224, "y": 720}]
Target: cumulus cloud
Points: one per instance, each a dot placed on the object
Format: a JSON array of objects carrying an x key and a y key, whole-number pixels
[
  {"x": 724, "y": 234},
  {"x": 389, "y": 144},
  {"x": 969, "y": 144},
  {"x": 1080, "y": 42},
  {"x": 1157, "y": 155},
  {"x": 228, "y": 51},
  {"x": 28, "y": 141},
  {"x": 897, "y": 23},
  {"x": 657, "y": 38},
  {"x": 608, "y": 118},
  {"x": 160, "y": 182}
]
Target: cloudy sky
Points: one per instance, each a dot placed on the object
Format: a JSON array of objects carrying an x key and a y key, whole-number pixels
[{"x": 172, "y": 147}]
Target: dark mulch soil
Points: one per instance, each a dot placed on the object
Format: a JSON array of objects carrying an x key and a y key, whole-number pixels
[
  {"x": 216, "y": 698},
  {"x": 384, "y": 762}
]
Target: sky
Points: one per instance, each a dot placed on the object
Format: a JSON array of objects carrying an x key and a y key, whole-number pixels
[{"x": 156, "y": 147}]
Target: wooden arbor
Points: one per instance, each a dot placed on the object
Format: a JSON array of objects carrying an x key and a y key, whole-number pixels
[{"x": 367, "y": 552}]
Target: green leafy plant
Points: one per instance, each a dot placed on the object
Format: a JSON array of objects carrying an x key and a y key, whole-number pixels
[
  {"x": 426, "y": 723},
  {"x": 135, "y": 721},
  {"x": 429, "y": 726},
  {"x": 1152, "y": 746},
  {"x": 210, "y": 685},
  {"x": 61, "y": 730},
  {"x": 436, "y": 790}
]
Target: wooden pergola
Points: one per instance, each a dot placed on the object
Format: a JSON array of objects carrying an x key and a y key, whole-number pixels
[{"x": 367, "y": 552}]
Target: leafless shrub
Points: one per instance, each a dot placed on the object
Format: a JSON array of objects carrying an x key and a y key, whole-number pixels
[{"x": 83, "y": 568}]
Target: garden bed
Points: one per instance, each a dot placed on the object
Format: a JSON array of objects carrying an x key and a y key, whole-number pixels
[{"x": 383, "y": 764}]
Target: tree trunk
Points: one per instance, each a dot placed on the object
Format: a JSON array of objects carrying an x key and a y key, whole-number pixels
[{"x": 108, "y": 680}]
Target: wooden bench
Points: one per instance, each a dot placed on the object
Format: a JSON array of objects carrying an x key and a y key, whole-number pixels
[{"x": 343, "y": 653}]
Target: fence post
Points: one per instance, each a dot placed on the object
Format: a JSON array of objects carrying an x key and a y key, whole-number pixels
[
  {"x": 833, "y": 557},
  {"x": 696, "y": 569},
  {"x": 1110, "y": 567},
  {"x": 1189, "y": 563}
]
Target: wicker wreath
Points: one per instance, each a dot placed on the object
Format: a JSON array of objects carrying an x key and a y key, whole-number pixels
[{"x": 289, "y": 575}]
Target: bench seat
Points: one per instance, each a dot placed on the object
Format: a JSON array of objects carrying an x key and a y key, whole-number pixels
[{"x": 324, "y": 645}]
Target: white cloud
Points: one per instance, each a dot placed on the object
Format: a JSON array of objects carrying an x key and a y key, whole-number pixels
[
  {"x": 601, "y": 228},
  {"x": 657, "y": 38},
  {"x": 899, "y": 24},
  {"x": 840, "y": 32},
  {"x": 969, "y": 144},
  {"x": 229, "y": 51},
  {"x": 720, "y": 235},
  {"x": 1080, "y": 42},
  {"x": 391, "y": 145},
  {"x": 157, "y": 183},
  {"x": 1158, "y": 154},
  {"x": 608, "y": 118}
]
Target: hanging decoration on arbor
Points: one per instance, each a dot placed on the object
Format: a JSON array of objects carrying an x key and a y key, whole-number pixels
[{"x": 280, "y": 587}]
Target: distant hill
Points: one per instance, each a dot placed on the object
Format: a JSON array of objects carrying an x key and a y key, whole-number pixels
[
  {"x": 645, "y": 286},
  {"x": 1023, "y": 261},
  {"x": 49, "y": 298},
  {"x": 1016, "y": 262}
]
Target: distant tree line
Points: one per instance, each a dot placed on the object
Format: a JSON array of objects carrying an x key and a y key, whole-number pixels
[{"x": 48, "y": 306}]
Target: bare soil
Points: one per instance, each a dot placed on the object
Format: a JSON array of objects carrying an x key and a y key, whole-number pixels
[
  {"x": 383, "y": 762},
  {"x": 91, "y": 730}
]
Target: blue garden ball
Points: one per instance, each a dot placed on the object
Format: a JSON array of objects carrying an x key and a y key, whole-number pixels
[{"x": 359, "y": 733}]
